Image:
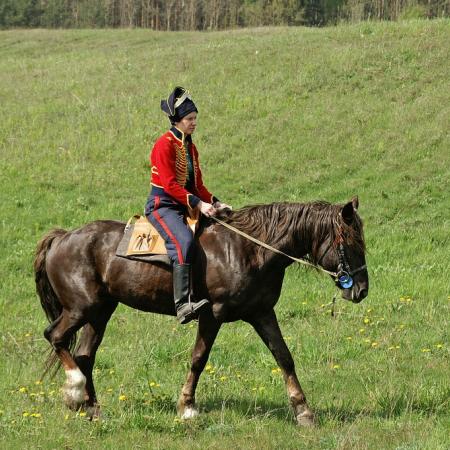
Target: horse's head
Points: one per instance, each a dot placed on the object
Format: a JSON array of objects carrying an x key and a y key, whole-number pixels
[{"x": 343, "y": 252}]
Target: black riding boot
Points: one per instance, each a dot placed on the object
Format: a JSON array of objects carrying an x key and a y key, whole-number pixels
[{"x": 187, "y": 310}]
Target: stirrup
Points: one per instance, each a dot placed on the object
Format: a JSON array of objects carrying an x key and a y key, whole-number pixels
[{"x": 190, "y": 311}]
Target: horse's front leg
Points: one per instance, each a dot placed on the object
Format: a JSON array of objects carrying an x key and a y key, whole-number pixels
[
  {"x": 207, "y": 331},
  {"x": 269, "y": 331}
]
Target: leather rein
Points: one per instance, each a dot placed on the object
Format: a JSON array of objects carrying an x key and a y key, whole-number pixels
[{"x": 343, "y": 275}]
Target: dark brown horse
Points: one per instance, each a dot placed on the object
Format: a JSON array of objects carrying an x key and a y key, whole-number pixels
[{"x": 80, "y": 281}]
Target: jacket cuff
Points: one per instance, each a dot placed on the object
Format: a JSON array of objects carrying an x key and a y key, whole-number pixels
[{"x": 193, "y": 201}]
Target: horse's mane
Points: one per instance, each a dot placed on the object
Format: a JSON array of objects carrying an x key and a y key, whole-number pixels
[{"x": 311, "y": 223}]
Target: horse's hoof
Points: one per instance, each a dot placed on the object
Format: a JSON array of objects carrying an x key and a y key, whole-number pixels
[
  {"x": 306, "y": 419},
  {"x": 190, "y": 412},
  {"x": 93, "y": 412}
]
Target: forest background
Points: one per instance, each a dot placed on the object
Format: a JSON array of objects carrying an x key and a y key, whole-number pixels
[{"x": 190, "y": 15}]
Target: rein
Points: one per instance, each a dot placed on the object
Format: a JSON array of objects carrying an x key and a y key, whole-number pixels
[{"x": 269, "y": 247}]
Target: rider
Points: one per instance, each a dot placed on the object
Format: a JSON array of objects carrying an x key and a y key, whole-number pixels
[{"x": 176, "y": 188}]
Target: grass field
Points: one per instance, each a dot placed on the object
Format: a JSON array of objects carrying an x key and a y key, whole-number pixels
[{"x": 286, "y": 114}]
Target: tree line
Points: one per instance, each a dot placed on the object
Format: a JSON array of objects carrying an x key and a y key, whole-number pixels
[{"x": 175, "y": 15}]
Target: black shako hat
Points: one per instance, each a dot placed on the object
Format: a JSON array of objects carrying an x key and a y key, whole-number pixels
[{"x": 178, "y": 104}]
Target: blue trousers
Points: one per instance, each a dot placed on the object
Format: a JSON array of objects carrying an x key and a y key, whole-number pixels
[{"x": 167, "y": 216}]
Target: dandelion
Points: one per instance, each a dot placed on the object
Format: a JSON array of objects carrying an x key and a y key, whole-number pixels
[
  {"x": 367, "y": 340},
  {"x": 223, "y": 378},
  {"x": 276, "y": 370},
  {"x": 36, "y": 415},
  {"x": 23, "y": 389},
  {"x": 112, "y": 371},
  {"x": 25, "y": 414},
  {"x": 304, "y": 303},
  {"x": 152, "y": 384},
  {"x": 349, "y": 338},
  {"x": 82, "y": 414},
  {"x": 38, "y": 382},
  {"x": 374, "y": 344},
  {"x": 439, "y": 345},
  {"x": 366, "y": 320},
  {"x": 66, "y": 417},
  {"x": 109, "y": 390},
  {"x": 362, "y": 330},
  {"x": 336, "y": 366},
  {"x": 208, "y": 367},
  {"x": 369, "y": 310},
  {"x": 426, "y": 350},
  {"x": 122, "y": 398},
  {"x": 27, "y": 334}
]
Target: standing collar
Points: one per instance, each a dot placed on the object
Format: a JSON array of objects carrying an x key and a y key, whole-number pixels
[{"x": 180, "y": 135}]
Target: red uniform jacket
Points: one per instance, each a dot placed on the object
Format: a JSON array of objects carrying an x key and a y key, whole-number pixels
[{"x": 169, "y": 169}]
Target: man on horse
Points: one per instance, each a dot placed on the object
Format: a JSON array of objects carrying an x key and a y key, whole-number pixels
[{"x": 177, "y": 189}]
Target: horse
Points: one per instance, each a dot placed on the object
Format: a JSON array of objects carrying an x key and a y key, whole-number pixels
[{"x": 80, "y": 282}]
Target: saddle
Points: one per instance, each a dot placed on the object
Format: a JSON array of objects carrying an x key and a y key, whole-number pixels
[{"x": 141, "y": 240}]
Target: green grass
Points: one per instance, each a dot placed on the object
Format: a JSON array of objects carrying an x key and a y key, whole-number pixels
[{"x": 286, "y": 114}]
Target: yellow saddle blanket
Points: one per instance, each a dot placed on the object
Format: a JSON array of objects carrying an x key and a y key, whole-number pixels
[{"x": 145, "y": 238}]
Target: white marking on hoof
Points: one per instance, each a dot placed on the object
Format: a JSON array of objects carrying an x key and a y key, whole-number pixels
[
  {"x": 73, "y": 389},
  {"x": 189, "y": 413},
  {"x": 306, "y": 418}
]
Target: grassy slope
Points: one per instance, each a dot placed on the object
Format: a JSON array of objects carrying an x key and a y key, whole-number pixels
[{"x": 285, "y": 114}]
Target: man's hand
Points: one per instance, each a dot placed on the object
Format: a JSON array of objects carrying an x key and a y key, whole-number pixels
[
  {"x": 222, "y": 206},
  {"x": 207, "y": 209}
]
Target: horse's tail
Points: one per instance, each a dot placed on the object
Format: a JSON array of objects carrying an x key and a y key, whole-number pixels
[{"x": 49, "y": 300}]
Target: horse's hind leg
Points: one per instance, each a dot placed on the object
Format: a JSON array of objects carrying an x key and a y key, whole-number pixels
[
  {"x": 90, "y": 339},
  {"x": 59, "y": 334},
  {"x": 207, "y": 331},
  {"x": 269, "y": 331}
]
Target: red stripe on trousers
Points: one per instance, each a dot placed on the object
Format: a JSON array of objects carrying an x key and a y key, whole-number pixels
[{"x": 167, "y": 230}]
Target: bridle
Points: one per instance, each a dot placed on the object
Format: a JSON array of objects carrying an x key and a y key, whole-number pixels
[{"x": 344, "y": 274}]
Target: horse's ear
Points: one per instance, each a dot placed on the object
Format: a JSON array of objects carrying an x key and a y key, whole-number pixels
[
  {"x": 348, "y": 213},
  {"x": 355, "y": 202}
]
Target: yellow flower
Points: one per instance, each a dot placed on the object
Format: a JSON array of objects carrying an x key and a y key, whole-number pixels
[
  {"x": 374, "y": 344},
  {"x": 38, "y": 382},
  {"x": 25, "y": 414},
  {"x": 112, "y": 371},
  {"x": 439, "y": 345},
  {"x": 23, "y": 389},
  {"x": 82, "y": 413},
  {"x": 336, "y": 366},
  {"x": 66, "y": 417},
  {"x": 349, "y": 338},
  {"x": 208, "y": 367},
  {"x": 366, "y": 320},
  {"x": 276, "y": 370},
  {"x": 426, "y": 350},
  {"x": 361, "y": 330},
  {"x": 223, "y": 378},
  {"x": 109, "y": 390},
  {"x": 37, "y": 415},
  {"x": 122, "y": 398},
  {"x": 367, "y": 340},
  {"x": 152, "y": 383}
]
